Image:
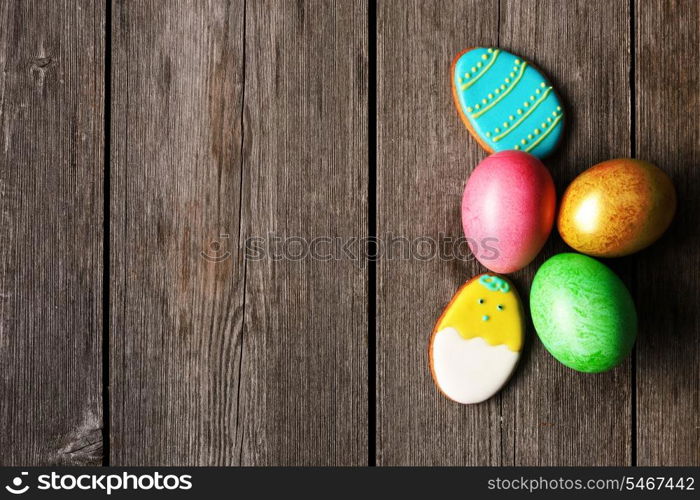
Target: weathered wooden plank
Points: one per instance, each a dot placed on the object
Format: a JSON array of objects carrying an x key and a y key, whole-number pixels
[
  {"x": 176, "y": 160},
  {"x": 424, "y": 155},
  {"x": 553, "y": 415},
  {"x": 304, "y": 390},
  {"x": 668, "y": 273},
  {"x": 51, "y": 199},
  {"x": 237, "y": 119}
]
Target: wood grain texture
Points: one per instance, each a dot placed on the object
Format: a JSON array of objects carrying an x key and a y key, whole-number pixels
[
  {"x": 304, "y": 385},
  {"x": 176, "y": 316},
  {"x": 547, "y": 414},
  {"x": 668, "y": 273},
  {"x": 229, "y": 121},
  {"x": 553, "y": 415},
  {"x": 233, "y": 119},
  {"x": 424, "y": 154},
  {"x": 51, "y": 199}
]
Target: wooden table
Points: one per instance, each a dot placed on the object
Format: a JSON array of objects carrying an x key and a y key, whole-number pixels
[{"x": 143, "y": 143}]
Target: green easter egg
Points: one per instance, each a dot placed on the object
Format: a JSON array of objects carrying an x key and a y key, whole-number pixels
[{"x": 583, "y": 313}]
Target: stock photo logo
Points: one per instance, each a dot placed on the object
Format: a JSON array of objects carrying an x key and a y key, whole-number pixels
[
  {"x": 216, "y": 249},
  {"x": 16, "y": 487},
  {"x": 355, "y": 249},
  {"x": 96, "y": 482}
]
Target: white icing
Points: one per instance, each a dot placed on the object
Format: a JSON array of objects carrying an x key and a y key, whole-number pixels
[{"x": 470, "y": 370}]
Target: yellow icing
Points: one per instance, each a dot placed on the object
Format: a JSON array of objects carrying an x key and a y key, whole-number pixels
[
  {"x": 515, "y": 83},
  {"x": 483, "y": 71},
  {"x": 543, "y": 136},
  {"x": 474, "y": 312}
]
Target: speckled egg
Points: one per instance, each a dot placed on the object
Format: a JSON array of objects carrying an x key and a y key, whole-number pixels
[
  {"x": 616, "y": 208},
  {"x": 508, "y": 210},
  {"x": 583, "y": 313}
]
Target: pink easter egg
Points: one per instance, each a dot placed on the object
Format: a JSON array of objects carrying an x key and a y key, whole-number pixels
[{"x": 508, "y": 210}]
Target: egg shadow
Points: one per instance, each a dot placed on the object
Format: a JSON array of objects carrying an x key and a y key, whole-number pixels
[{"x": 667, "y": 290}]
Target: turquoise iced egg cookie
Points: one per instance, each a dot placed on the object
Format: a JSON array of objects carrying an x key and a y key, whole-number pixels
[{"x": 505, "y": 102}]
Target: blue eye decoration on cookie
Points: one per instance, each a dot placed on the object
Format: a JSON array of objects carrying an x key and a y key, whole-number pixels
[
  {"x": 506, "y": 102},
  {"x": 494, "y": 283}
]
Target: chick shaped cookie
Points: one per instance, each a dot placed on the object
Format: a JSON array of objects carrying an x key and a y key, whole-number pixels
[{"x": 477, "y": 340}]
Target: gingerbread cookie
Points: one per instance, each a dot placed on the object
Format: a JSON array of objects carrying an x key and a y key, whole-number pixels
[
  {"x": 477, "y": 341},
  {"x": 505, "y": 102}
]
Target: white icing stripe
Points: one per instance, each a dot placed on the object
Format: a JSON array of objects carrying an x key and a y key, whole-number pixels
[{"x": 470, "y": 371}]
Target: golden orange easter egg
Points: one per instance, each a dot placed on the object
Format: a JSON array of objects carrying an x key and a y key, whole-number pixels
[{"x": 616, "y": 208}]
